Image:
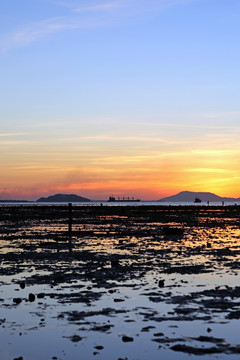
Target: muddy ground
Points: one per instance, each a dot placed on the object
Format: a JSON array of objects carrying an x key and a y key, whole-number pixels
[{"x": 128, "y": 282}]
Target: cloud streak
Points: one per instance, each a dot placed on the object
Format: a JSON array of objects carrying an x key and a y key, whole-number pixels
[
  {"x": 96, "y": 15},
  {"x": 108, "y": 6}
]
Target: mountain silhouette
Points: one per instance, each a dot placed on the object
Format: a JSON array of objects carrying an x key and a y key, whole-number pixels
[
  {"x": 63, "y": 198},
  {"x": 190, "y": 196}
]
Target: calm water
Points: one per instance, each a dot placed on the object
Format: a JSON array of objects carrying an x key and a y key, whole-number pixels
[{"x": 116, "y": 203}]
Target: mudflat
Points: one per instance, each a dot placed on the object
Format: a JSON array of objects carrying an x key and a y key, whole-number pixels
[{"x": 119, "y": 282}]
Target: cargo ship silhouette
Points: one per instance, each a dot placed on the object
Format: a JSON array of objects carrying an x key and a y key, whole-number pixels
[{"x": 123, "y": 199}]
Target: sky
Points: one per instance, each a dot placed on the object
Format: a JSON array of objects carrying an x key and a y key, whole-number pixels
[{"x": 119, "y": 97}]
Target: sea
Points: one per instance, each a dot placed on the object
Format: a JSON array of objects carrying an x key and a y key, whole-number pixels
[{"x": 120, "y": 203}]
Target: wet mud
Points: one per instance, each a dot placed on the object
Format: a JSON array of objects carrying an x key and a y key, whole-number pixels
[{"x": 163, "y": 279}]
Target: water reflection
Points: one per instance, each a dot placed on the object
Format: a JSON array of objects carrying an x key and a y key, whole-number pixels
[{"x": 98, "y": 293}]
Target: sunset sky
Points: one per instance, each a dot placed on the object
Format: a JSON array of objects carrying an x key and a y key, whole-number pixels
[{"x": 125, "y": 97}]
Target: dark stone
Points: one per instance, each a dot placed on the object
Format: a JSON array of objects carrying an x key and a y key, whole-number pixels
[
  {"x": 31, "y": 297},
  {"x": 17, "y": 300},
  {"x": 147, "y": 328},
  {"x": 114, "y": 262},
  {"x": 161, "y": 283},
  {"x": 22, "y": 285},
  {"x": 234, "y": 315},
  {"x": 127, "y": 338},
  {"x": 159, "y": 334},
  {"x": 99, "y": 347},
  {"x": 40, "y": 295},
  {"x": 76, "y": 338},
  {"x": 102, "y": 328},
  {"x": 195, "y": 350}
]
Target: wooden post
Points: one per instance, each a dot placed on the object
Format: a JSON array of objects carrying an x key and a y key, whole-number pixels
[{"x": 70, "y": 218}]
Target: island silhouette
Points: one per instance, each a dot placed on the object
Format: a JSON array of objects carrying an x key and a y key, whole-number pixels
[
  {"x": 63, "y": 198},
  {"x": 191, "y": 196}
]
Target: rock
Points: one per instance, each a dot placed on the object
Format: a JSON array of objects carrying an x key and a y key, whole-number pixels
[
  {"x": 40, "y": 295},
  {"x": 99, "y": 347},
  {"x": 127, "y": 338},
  {"x": 22, "y": 285},
  {"x": 17, "y": 300},
  {"x": 114, "y": 262},
  {"x": 31, "y": 297},
  {"x": 161, "y": 283},
  {"x": 118, "y": 300},
  {"x": 147, "y": 328},
  {"x": 76, "y": 338}
]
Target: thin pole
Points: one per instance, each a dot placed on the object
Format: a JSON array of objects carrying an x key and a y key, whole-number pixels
[{"x": 70, "y": 218}]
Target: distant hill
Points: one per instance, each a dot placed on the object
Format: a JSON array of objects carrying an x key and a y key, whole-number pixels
[
  {"x": 63, "y": 198},
  {"x": 189, "y": 196}
]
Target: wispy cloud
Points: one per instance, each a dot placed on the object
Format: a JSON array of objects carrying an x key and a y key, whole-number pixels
[
  {"x": 16, "y": 142},
  {"x": 108, "y": 6},
  {"x": 33, "y": 32},
  {"x": 217, "y": 152},
  {"x": 89, "y": 15},
  {"x": 33, "y": 167},
  {"x": 13, "y": 134},
  {"x": 208, "y": 170}
]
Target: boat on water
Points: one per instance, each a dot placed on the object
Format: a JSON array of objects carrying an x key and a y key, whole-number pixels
[
  {"x": 123, "y": 199},
  {"x": 197, "y": 201}
]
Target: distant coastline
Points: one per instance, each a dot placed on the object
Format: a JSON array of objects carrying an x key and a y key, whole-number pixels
[{"x": 181, "y": 197}]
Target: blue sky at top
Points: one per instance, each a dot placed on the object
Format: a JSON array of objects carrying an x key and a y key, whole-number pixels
[{"x": 130, "y": 56}]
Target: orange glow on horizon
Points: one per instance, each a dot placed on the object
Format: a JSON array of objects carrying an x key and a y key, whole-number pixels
[
  {"x": 161, "y": 163},
  {"x": 147, "y": 185}
]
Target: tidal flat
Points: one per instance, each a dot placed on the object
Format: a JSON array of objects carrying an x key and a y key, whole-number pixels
[{"x": 126, "y": 283}]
